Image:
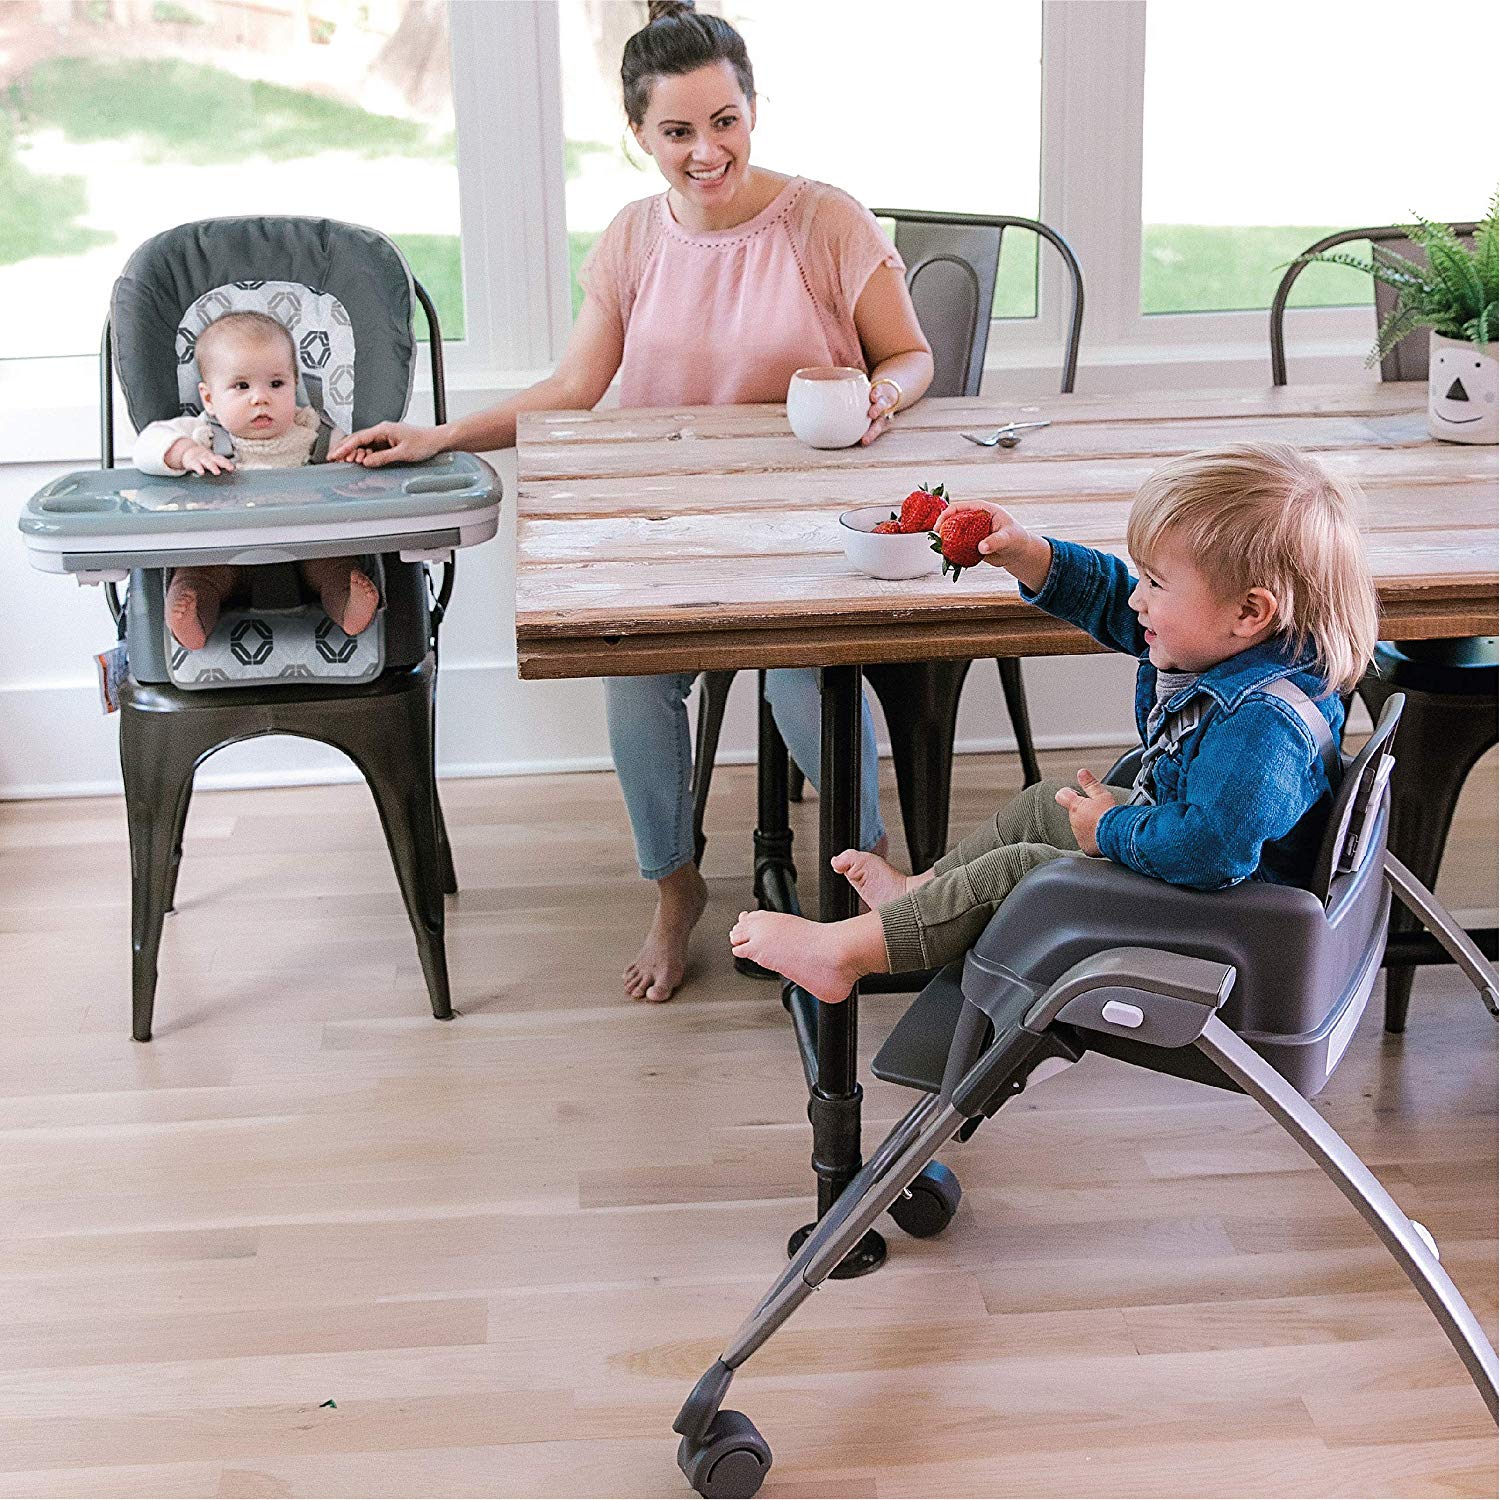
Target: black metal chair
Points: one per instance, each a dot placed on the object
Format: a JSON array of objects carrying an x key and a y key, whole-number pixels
[
  {"x": 1450, "y": 684},
  {"x": 952, "y": 263},
  {"x": 386, "y": 725}
]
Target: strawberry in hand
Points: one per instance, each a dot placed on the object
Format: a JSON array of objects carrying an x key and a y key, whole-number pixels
[{"x": 957, "y": 537}]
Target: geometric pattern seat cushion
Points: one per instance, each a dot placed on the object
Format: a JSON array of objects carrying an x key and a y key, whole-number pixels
[{"x": 278, "y": 645}]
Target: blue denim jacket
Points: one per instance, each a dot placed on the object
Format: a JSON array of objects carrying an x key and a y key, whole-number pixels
[{"x": 1246, "y": 795}]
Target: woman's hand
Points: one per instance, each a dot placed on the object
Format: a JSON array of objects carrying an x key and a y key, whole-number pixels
[
  {"x": 388, "y": 443},
  {"x": 884, "y": 395},
  {"x": 1085, "y": 808},
  {"x": 194, "y": 458}
]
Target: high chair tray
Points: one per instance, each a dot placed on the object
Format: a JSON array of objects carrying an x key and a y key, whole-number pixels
[{"x": 105, "y": 520}]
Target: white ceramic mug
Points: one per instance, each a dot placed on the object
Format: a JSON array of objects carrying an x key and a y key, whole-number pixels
[{"x": 829, "y": 405}]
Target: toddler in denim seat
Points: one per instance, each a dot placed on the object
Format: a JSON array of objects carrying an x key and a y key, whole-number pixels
[
  {"x": 1254, "y": 608},
  {"x": 248, "y": 388}
]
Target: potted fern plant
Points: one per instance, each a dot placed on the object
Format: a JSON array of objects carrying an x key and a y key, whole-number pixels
[{"x": 1454, "y": 295}]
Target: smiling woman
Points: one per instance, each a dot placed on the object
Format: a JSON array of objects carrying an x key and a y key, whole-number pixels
[{"x": 712, "y": 293}]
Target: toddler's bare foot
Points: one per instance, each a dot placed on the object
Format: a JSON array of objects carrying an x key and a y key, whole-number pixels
[
  {"x": 660, "y": 965},
  {"x": 827, "y": 958},
  {"x": 193, "y": 603},
  {"x": 348, "y": 597},
  {"x": 876, "y": 879}
]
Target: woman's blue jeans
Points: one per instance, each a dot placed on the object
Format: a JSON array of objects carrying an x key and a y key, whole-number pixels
[{"x": 648, "y": 737}]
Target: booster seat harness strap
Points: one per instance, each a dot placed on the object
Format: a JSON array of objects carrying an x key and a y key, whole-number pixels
[
  {"x": 1191, "y": 714},
  {"x": 1178, "y": 726},
  {"x": 1306, "y": 710},
  {"x": 223, "y": 444}
]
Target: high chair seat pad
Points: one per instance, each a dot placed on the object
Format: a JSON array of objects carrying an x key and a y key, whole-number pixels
[
  {"x": 104, "y": 519},
  {"x": 281, "y": 645}
]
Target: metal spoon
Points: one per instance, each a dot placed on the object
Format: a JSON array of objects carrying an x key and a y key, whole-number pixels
[{"x": 1004, "y": 437}]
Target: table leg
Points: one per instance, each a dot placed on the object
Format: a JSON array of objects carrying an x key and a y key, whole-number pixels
[
  {"x": 831, "y": 1032},
  {"x": 775, "y": 873}
]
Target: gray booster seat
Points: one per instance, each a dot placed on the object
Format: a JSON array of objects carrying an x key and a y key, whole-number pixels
[{"x": 1257, "y": 988}]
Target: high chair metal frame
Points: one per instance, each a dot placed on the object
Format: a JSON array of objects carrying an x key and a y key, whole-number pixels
[{"x": 1259, "y": 992}]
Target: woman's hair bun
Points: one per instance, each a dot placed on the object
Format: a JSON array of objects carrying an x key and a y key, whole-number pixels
[{"x": 686, "y": 40}]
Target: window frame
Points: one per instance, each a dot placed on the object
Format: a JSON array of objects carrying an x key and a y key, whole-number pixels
[{"x": 507, "y": 89}]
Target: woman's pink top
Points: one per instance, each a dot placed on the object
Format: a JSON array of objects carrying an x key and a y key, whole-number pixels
[{"x": 728, "y": 315}]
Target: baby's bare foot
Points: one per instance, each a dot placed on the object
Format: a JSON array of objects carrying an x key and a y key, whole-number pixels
[
  {"x": 360, "y": 603},
  {"x": 817, "y": 955},
  {"x": 192, "y": 610},
  {"x": 876, "y": 879},
  {"x": 348, "y": 597},
  {"x": 662, "y": 962}
]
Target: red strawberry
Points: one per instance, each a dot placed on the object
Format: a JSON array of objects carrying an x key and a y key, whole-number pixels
[
  {"x": 921, "y": 508},
  {"x": 888, "y": 528},
  {"x": 957, "y": 539}
]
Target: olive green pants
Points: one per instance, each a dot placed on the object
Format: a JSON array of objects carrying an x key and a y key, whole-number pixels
[{"x": 941, "y": 920}]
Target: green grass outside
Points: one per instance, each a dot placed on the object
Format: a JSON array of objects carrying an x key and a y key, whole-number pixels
[
  {"x": 39, "y": 214},
  {"x": 185, "y": 112},
  {"x": 1224, "y": 268}
]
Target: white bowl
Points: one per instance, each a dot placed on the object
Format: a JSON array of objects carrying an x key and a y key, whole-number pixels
[{"x": 885, "y": 556}]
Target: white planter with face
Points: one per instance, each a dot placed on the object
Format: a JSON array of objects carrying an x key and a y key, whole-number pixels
[{"x": 1461, "y": 391}]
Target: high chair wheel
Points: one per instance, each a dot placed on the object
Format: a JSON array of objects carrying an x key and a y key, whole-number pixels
[
  {"x": 927, "y": 1207},
  {"x": 731, "y": 1461}
]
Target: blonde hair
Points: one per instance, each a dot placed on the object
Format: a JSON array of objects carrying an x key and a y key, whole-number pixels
[
  {"x": 1263, "y": 515},
  {"x": 248, "y": 328}
]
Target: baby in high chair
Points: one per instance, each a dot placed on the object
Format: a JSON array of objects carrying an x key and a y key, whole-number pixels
[
  {"x": 248, "y": 368},
  {"x": 1254, "y": 608}
]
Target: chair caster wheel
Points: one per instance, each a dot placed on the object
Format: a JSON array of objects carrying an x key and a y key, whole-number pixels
[
  {"x": 731, "y": 1461},
  {"x": 927, "y": 1207}
]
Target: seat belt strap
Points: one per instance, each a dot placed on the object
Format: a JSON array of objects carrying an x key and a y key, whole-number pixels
[{"x": 1308, "y": 711}]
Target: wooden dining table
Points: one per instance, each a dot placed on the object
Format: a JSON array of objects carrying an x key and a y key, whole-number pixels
[{"x": 687, "y": 539}]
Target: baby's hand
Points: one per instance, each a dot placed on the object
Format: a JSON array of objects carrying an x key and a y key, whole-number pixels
[
  {"x": 194, "y": 458},
  {"x": 1085, "y": 808}
]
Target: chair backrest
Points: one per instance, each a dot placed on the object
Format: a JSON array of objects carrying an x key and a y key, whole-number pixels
[
  {"x": 1349, "y": 840},
  {"x": 1408, "y": 360},
  {"x": 952, "y": 261},
  {"x": 344, "y": 292}
]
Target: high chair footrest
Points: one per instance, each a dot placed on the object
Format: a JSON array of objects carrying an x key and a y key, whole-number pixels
[
  {"x": 916, "y": 1051},
  {"x": 285, "y": 645}
]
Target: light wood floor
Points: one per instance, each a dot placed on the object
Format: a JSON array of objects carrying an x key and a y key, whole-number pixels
[{"x": 506, "y": 1247}]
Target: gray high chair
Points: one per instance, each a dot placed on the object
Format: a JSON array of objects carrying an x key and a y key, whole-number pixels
[
  {"x": 278, "y": 664},
  {"x": 1257, "y": 988}
]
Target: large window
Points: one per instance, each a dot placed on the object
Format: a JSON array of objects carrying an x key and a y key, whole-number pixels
[
  {"x": 126, "y": 117},
  {"x": 860, "y": 96},
  {"x": 1269, "y": 126}
]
